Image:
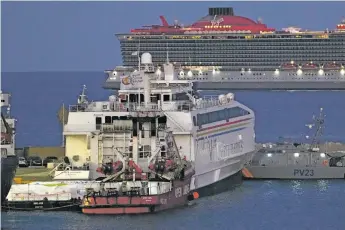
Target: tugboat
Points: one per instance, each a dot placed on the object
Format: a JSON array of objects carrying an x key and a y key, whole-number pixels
[
  {"x": 127, "y": 189},
  {"x": 291, "y": 160}
]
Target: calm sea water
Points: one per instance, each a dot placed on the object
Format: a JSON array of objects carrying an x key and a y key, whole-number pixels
[
  {"x": 257, "y": 205},
  {"x": 36, "y": 98}
]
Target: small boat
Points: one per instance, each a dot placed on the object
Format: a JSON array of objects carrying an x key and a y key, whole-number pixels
[{"x": 291, "y": 160}]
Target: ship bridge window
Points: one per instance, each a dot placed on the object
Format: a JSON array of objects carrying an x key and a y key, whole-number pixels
[
  {"x": 144, "y": 151},
  {"x": 135, "y": 98},
  {"x": 166, "y": 97},
  {"x": 220, "y": 115},
  {"x": 155, "y": 98},
  {"x": 98, "y": 123},
  {"x": 180, "y": 97},
  {"x": 108, "y": 119}
]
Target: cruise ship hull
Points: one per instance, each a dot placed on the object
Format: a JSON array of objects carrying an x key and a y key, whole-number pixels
[
  {"x": 266, "y": 85},
  {"x": 8, "y": 170}
]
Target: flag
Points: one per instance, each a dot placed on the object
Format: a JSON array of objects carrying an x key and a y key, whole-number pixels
[
  {"x": 135, "y": 53},
  {"x": 63, "y": 115}
]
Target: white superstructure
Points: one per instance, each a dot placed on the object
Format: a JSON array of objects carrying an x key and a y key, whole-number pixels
[{"x": 215, "y": 133}]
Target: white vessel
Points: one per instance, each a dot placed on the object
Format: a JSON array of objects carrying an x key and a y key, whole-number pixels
[{"x": 216, "y": 133}]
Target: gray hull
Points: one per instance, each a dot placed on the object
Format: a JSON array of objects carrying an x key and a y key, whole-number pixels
[
  {"x": 279, "y": 85},
  {"x": 293, "y": 172},
  {"x": 252, "y": 85},
  {"x": 8, "y": 170}
]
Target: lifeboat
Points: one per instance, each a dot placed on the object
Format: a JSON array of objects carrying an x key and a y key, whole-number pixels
[
  {"x": 310, "y": 66},
  {"x": 289, "y": 66},
  {"x": 332, "y": 66}
]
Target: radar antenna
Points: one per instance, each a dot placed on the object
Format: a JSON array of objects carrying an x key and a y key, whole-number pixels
[
  {"x": 82, "y": 99},
  {"x": 319, "y": 125}
]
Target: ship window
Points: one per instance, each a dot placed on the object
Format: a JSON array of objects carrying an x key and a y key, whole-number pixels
[
  {"x": 153, "y": 128},
  {"x": 108, "y": 119},
  {"x": 98, "y": 123},
  {"x": 219, "y": 115},
  {"x": 3, "y": 152},
  {"x": 98, "y": 120},
  {"x": 194, "y": 120},
  {"x": 144, "y": 151},
  {"x": 166, "y": 97}
]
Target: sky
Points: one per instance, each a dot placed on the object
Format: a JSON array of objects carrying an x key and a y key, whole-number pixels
[{"x": 80, "y": 36}]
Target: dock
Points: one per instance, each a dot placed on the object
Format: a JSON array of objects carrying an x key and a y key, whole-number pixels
[{"x": 31, "y": 174}]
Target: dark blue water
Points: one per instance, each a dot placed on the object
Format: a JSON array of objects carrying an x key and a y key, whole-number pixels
[
  {"x": 260, "y": 205},
  {"x": 37, "y": 97},
  {"x": 257, "y": 205}
]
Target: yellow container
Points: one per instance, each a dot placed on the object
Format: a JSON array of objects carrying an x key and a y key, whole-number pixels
[{"x": 17, "y": 180}]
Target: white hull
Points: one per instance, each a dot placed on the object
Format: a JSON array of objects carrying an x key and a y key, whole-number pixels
[{"x": 229, "y": 168}]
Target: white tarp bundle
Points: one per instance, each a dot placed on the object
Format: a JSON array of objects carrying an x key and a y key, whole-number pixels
[{"x": 51, "y": 190}]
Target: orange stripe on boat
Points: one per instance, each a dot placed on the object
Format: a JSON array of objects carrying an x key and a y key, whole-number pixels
[{"x": 247, "y": 173}]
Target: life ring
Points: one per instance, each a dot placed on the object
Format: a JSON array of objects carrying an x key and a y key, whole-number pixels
[
  {"x": 67, "y": 168},
  {"x": 325, "y": 162}
]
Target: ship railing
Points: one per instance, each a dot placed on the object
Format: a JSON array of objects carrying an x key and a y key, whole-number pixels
[
  {"x": 176, "y": 106},
  {"x": 110, "y": 128},
  {"x": 152, "y": 188}
]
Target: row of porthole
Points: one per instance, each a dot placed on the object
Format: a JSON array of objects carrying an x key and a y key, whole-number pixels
[
  {"x": 294, "y": 78},
  {"x": 255, "y": 74},
  {"x": 203, "y": 73},
  {"x": 311, "y": 74}
]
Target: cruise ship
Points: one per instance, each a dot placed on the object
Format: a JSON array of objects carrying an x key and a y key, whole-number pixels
[
  {"x": 224, "y": 51},
  {"x": 232, "y": 43},
  {"x": 215, "y": 134}
]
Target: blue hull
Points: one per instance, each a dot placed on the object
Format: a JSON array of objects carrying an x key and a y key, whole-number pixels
[{"x": 8, "y": 171}]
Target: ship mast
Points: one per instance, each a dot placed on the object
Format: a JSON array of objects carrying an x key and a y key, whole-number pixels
[{"x": 319, "y": 125}]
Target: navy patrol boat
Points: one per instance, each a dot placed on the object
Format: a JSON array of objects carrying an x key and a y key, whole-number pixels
[{"x": 289, "y": 160}]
